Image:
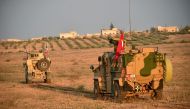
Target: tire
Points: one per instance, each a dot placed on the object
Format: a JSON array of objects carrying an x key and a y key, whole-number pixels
[
  {"x": 43, "y": 64},
  {"x": 48, "y": 77},
  {"x": 97, "y": 93},
  {"x": 117, "y": 91},
  {"x": 168, "y": 70},
  {"x": 157, "y": 94},
  {"x": 27, "y": 76}
]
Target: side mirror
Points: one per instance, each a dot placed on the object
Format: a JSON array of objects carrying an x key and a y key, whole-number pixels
[
  {"x": 99, "y": 59},
  {"x": 91, "y": 67}
]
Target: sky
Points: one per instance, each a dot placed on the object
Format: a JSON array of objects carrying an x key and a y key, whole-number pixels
[{"x": 33, "y": 18}]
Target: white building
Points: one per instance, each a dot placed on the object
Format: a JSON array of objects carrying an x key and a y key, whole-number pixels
[
  {"x": 96, "y": 34},
  {"x": 112, "y": 32},
  {"x": 37, "y": 38},
  {"x": 13, "y": 40},
  {"x": 71, "y": 34},
  {"x": 167, "y": 29}
]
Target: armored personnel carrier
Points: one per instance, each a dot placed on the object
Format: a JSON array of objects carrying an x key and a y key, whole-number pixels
[
  {"x": 37, "y": 67},
  {"x": 131, "y": 71}
]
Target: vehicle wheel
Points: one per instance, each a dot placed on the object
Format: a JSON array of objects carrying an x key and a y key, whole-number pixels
[
  {"x": 97, "y": 93},
  {"x": 43, "y": 64},
  {"x": 48, "y": 77},
  {"x": 27, "y": 76},
  {"x": 156, "y": 94},
  {"x": 117, "y": 91}
]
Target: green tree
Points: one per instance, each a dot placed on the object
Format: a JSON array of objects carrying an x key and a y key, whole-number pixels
[
  {"x": 153, "y": 30},
  {"x": 185, "y": 30}
]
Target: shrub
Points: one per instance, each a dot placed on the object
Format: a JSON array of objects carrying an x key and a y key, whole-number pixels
[
  {"x": 185, "y": 30},
  {"x": 43, "y": 45},
  {"x": 56, "y": 41},
  {"x": 88, "y": 45},
  {"x": 78, "y": 44},
  {"x": 184, "y": 41},
  {"x": 51, "y": 45},
  {"x": 27, "y": 43},
  {"x": 68, "y": 43},
  {"x": 93, "y": 41},
  {"x": 7, "y": 60},
  {"x": 6, "y": 47},
  {"x": 98, "y": 39},
  {"x": 15, "y": 47},
  {"x": 170, "y": 42},
  {"x": 34, "y": 47},
  {"x": 11, "y": 44},
  {"x": 24, "y": 46},
  {"x": 145, "y": 43}
]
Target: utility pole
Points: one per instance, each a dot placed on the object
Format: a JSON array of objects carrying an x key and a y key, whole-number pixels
[{"x": 129, "y": 18}]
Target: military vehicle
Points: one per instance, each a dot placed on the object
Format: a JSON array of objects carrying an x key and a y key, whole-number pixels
[
  {"x": 37, "y": 67},
  {"x": 137, "y": 71}
]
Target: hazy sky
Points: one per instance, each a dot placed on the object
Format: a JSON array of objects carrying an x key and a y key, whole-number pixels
[{"x": 32, "y": 18}]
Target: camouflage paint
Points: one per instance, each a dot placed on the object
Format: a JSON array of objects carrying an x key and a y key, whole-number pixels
[
  {"x": 149, "y": 64},
  {"x": 127, "y": 58}
]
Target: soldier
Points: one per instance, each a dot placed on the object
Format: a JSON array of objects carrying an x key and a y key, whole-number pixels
[{"x": 119, "y": 47}]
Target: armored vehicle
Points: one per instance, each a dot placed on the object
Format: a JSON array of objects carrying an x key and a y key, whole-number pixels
[
  {"x": 135, "y": 71},
  {"x": 37, "y": 67}
]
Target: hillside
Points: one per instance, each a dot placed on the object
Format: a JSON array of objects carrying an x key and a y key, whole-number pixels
[{"x": 55, "y": 44}]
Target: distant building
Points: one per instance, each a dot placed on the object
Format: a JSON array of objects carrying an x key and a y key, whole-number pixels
[
  {"x": 112, "y": 32},
  {"x": 87, "y": 35},
  {"x": 37, "y": 38},
  {"x": 96, "y": 34},
  {"x": 71, "y": 34},
  {"x": 13, "y": 40},
  {"x": 168, "y": 29},
  {"x": 91, "y": 35}
]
